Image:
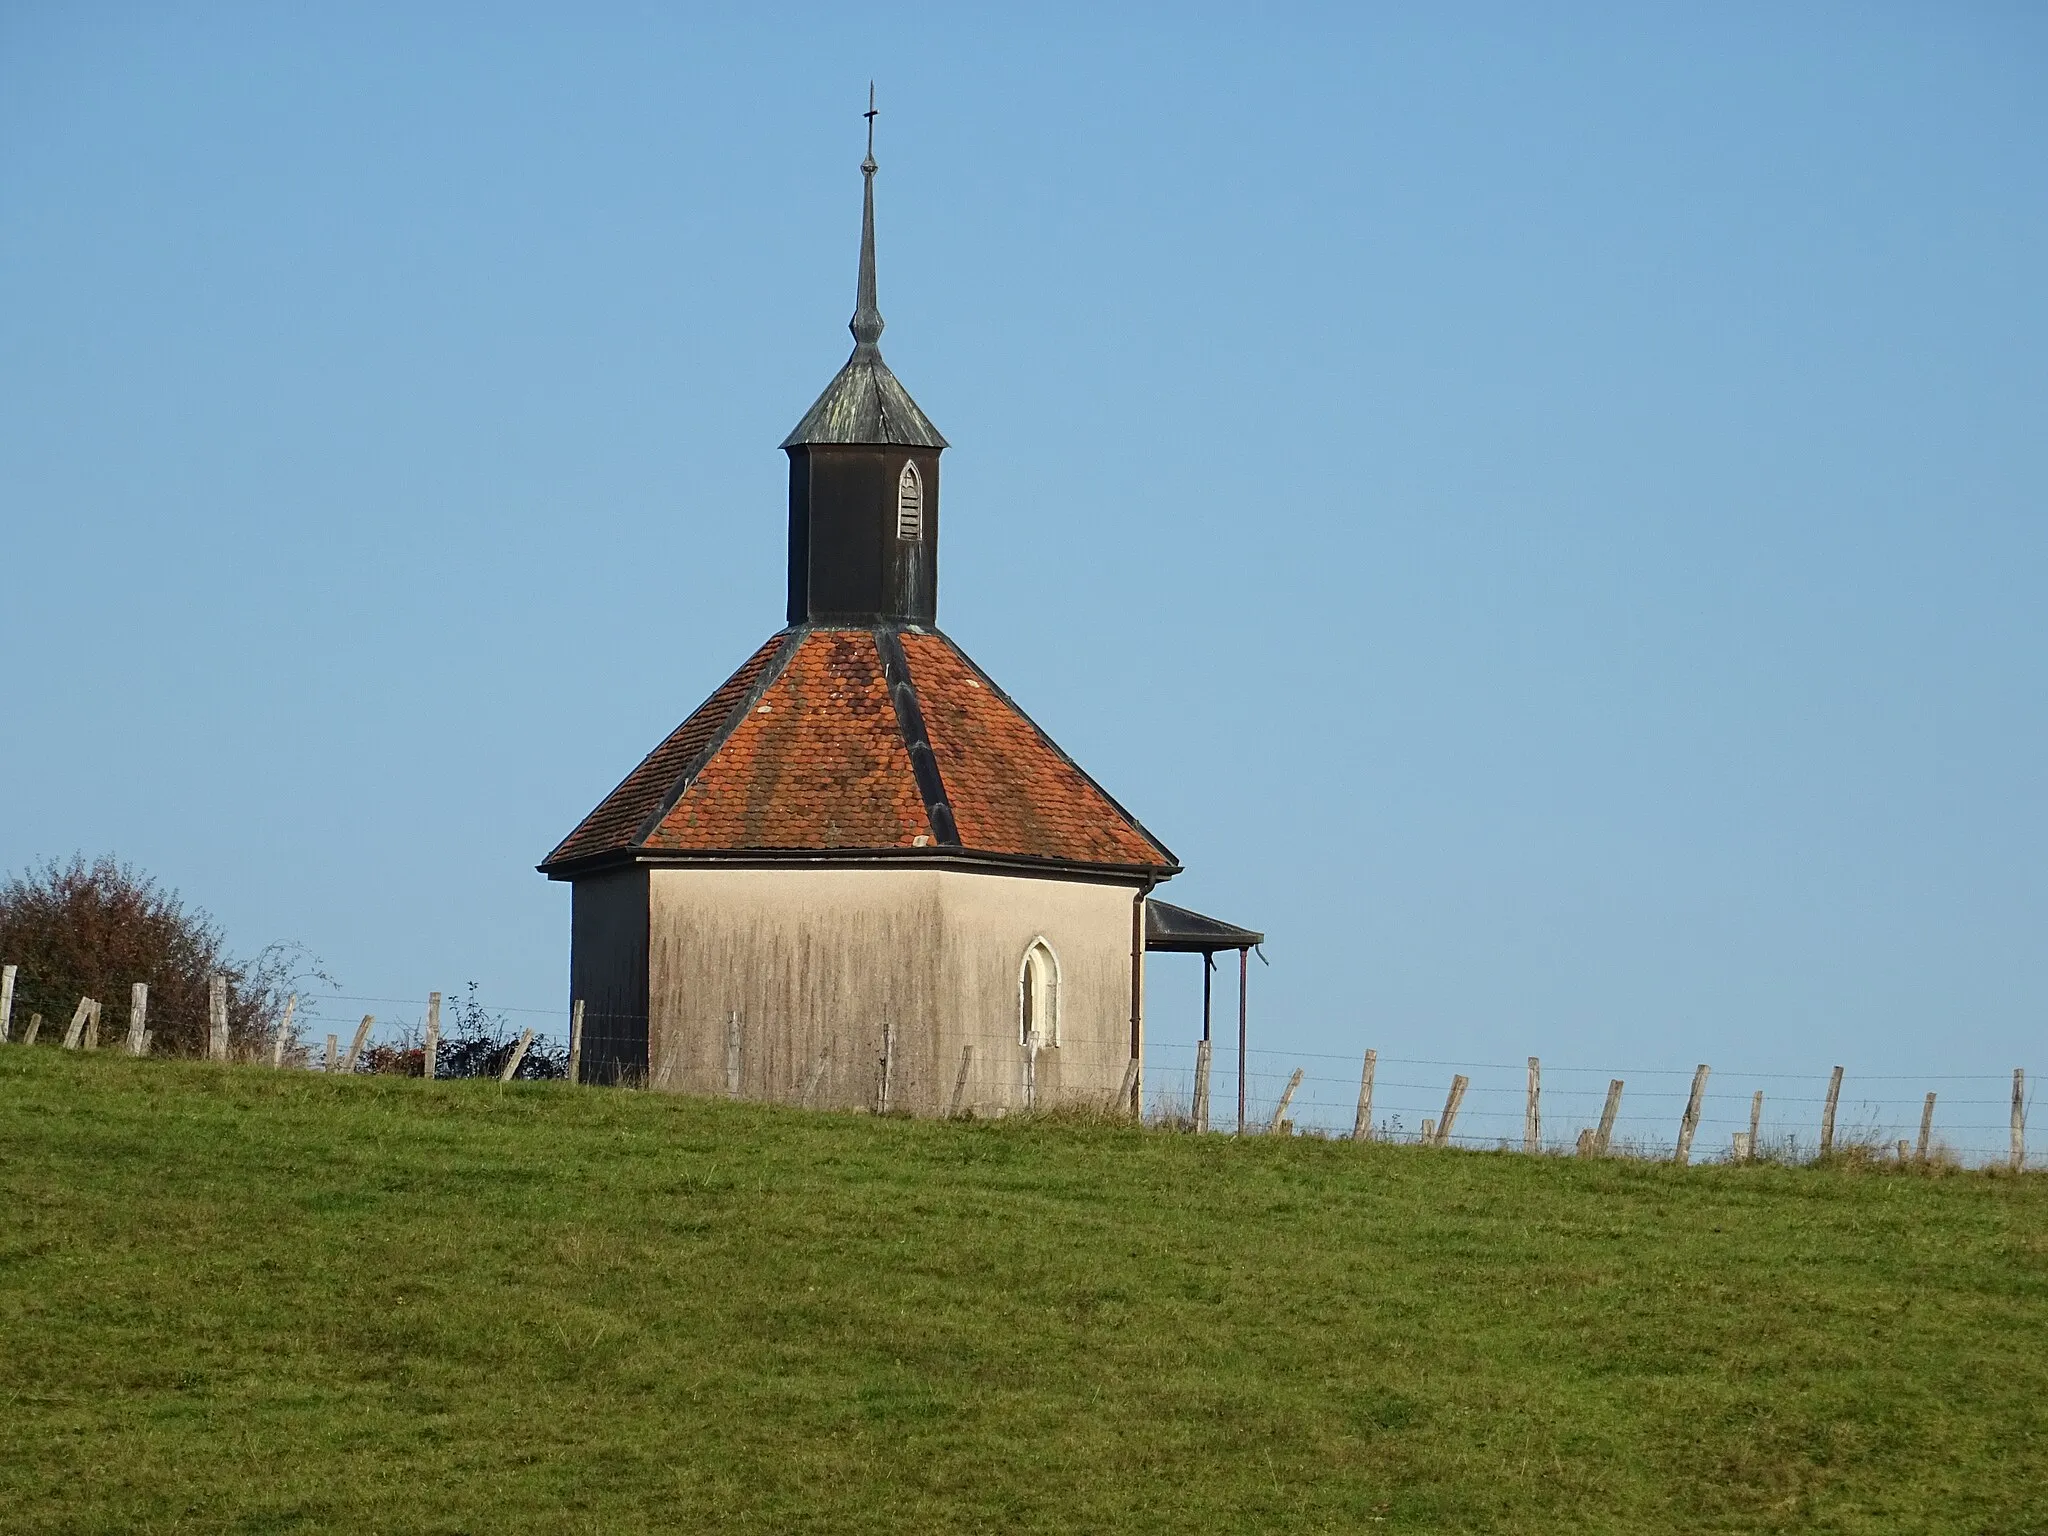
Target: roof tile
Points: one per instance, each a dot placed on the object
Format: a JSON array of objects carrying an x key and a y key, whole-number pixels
[
  {"x": 1011, "y": 789},
  {"x": 619, "y": 816},
  {"x": 819, "y": 763}
]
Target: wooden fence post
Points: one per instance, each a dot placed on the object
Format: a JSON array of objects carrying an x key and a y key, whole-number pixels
[
  {"x": 77, "y": 1029},
  {"x": 885, "y": 1076},
  {"x": 812, "y": 1078},
  {"x": 1905, "y": 1152},
  {"x": 1201, "y": 1104},
  {"x": 1286, "y": 1098},
  {"x": 1428, "y": 1131},
  {"x": 430, "y": 1048},
  {"x": 518, "y": 1055},
  {"x": 732, "y": 1054},
  {"x": 333, "y": 1053},
  {"x": 1532, "y": 1117},
  {"x": 284, "y": 1033},
  {"x": 355, "y": 1046},
  {"x": 138, "y": 1016},
  {"x": 35, "y": 1025},
  {"x": 1585, "y": 1146},
  {"x": 1827, "y": 1113},
  {"x": 2019, "y": 1118},
  {"x": 1361, "y": 1128},
  {"x": 1739, "y": 1152},
  {"x": 1125, "y": 1102},
  {"x": 576, "y": 1042},
  {"x": 1756, "y": 1121},
  {"x": 960, "y": 1082},
  {"x": 92, "y": 1027},
  {"x": 1457, "y": 1097},
  {"x": 1691, "y": 1122},
  {"x": 1609, "y": 1112},
  {"x": 1926, "y": 1126},
  {"x": 217, "y": 1017},
  {"x": 6, "y": 1002}
]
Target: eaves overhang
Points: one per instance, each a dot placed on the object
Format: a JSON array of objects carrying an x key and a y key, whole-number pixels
[{"x": 859, "y": 858}]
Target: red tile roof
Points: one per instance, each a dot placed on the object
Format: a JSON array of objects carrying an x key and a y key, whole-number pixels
[
  {"x": 621, "y": 818},
  {"x": 818, "y": 762},
  {"x": 1011, "y": 789},
  {"x": 815, "y": 747}
]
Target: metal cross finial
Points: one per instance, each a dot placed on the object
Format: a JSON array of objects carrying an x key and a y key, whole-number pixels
[{"x": 866, "y": 324}]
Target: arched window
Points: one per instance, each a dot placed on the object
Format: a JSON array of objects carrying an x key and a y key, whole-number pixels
[
  {"x": 910, "y": 502},
  {"x": 1038, "y": 997}
]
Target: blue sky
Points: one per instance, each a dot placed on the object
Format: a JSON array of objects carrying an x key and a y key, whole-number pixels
[{"x": 1544, "y": 514}]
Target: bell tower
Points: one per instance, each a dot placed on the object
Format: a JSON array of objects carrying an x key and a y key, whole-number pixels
[{"x": 864, "y": 478}]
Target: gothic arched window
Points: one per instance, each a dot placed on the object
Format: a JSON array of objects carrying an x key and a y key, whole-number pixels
[
  {"x": 1038, "y": 997},
  {"x": 910, "y": 502}
]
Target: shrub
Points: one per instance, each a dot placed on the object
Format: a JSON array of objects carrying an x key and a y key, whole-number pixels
[
  {"x": 78, "y": 929},
  {"x": 478, "y": 1043}
]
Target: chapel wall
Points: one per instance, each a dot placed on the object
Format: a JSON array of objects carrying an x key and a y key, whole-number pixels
[
  {"x": 990, "y": 921},
  {"x": 815, "y": 961}
]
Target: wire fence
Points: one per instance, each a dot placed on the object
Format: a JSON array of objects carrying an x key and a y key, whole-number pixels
[
  {"x": 325, "y": 1028},
  {"x": 1972, "y": 1119}
]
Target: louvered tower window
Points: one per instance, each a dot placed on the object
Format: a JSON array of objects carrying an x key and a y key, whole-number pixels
[{"x": 909, "y": 502}]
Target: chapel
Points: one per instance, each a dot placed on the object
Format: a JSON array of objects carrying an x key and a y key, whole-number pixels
[{"x": 859, "y": 875}]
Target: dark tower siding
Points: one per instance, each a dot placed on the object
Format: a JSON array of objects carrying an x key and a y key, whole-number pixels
[
  {"x": 799, "y": 537},
  {"x": 608, "y": 971},
  {"x": 846, "y": 564}
]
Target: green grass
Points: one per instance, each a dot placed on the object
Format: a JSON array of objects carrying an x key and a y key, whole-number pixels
[{"x": 232, "y": 1300}]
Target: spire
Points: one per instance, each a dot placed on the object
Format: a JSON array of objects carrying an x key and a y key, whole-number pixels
[
  {"x": 864, "y": 403},
  {"x": 866, "y": 324}
]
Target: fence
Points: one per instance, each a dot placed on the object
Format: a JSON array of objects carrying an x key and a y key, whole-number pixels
[
  {"x": 1977, "y": 1117},
  {"x": 1659, "y": 1112},
  {"x": 415, "y": 1045}
]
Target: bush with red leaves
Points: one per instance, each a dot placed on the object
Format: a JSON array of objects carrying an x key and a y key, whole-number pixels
[{"x": 81, "y": 929}]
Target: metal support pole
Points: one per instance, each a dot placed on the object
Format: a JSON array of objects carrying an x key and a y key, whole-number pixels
[
  {"x": 1244, "y": 960},
  {"x": 1208, "y": 976}
]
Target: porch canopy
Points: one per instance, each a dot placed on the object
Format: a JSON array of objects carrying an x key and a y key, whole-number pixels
[{"x": 1176, "y": 930}]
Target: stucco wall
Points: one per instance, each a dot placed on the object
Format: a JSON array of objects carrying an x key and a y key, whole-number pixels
[
  {"x": 990, "y": 921},
  {"x": 816, "y": 962}
]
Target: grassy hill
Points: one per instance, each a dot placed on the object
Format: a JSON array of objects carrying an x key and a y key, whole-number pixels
[{"x": 232, "y": 1300}]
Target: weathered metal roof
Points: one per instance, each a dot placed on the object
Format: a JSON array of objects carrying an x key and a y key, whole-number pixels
[
  {"x": 1176, "y": 930},
  {"x": 864, "y": 403}
]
